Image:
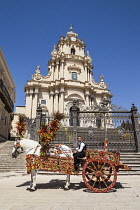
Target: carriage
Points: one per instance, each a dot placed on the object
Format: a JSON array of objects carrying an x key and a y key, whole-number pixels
[{"x": 99, "y": 168}]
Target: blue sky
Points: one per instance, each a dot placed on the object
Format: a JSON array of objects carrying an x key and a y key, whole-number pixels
[{"x": 110, "y": 29}]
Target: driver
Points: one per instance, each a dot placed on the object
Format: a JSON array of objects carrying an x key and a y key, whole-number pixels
[{"x": 80, "y": 153}]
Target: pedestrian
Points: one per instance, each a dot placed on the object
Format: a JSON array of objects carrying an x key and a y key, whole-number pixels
[{"x": 80, "y": 153}]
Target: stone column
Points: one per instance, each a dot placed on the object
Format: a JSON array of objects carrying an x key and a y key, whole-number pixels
[
  {"x": 87, "y": 99},
  {"x": 86, "y": 70},
  {"x": 35, "y": 102},
  {"x": 62, "y": 69},
  {"x": 51, "y": 104},
  {"x": 61, "y": 99},
  {"x": 51, "y": 101},
  {"x": 89, "y": 74},
  {"x": 28, "y": 111},
  {"x": 52, "y": 70},
  {"x": 56, "y": 101},
  {"x": 31, "y": 97},
  {"x": 56, "y": 72},
  {"x": 61, "y": 102},
  {"x": 136, "y": 128}
]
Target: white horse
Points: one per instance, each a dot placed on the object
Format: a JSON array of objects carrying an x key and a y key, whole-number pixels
[{"x": 33, "y": 147}]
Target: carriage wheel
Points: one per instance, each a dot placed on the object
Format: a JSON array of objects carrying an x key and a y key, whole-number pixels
[{"x": 99, "y": 175}]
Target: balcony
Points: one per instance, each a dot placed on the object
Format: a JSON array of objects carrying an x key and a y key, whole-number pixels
[{"x": 5, "y": 97}]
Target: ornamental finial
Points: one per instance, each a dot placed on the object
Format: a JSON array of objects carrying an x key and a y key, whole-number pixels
[
  {"x": 37, "y": 69},
  {"x": 101, "y": 78},
  {"x": 71, "y": 28}
]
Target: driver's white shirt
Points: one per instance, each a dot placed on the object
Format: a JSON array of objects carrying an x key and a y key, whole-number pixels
[{"x": 81, "y": 147}]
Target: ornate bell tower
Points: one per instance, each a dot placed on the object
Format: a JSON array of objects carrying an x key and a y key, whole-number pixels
[{"x": 69, "y": 59}]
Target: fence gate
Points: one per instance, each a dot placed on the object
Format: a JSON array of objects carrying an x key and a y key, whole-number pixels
[{"x": 116, "y": 127}]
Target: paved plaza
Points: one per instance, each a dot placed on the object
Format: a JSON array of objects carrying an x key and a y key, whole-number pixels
[{"x": 51, "y": 196}]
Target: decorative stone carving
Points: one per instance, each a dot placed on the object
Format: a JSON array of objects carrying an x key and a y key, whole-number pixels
[
  {"x": 89, "y": 58},
  {"x": 102, "y": 83},
  {"x": 75, "y": 68},
  {"x": 94, "y": 107},
  {"x": 37, "y": 76},
  {"x": 54, "y": 52},
  {"x": 101, "y": 77}
]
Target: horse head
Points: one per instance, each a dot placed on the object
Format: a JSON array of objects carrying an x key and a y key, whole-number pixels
[
  {"x": 17, "y": 149},
  {"x": 26, "y": 145}
]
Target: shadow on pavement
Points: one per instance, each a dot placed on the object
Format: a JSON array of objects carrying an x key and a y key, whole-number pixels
[
  {"x": 55, "y": 184},
  {"x": 59, "y": 184},
  {"x": 24, "y": 184},
  {"x": 118, "y": 185}
]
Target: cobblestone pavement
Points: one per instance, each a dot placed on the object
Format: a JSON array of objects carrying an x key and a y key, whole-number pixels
[{"x": 51, "y": 196}]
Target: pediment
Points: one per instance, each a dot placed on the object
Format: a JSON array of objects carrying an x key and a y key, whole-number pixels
[{"x": 75, "y": 68}]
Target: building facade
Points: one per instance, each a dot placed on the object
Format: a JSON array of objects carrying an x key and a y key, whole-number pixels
[
  {"x": 20, "y": 110},
  {"x": 7, "y": 99},
  {"x": 70, "y": 77}
]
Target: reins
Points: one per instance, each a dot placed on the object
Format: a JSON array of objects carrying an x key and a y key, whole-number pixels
[
  {"x": 32, "y": 148},
  {"x": 36, "y": 148},
  {"x": 62, "y": 151}
]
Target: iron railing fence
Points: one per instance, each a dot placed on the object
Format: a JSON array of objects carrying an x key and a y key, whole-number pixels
[
  {"x": 116, "y": 126},
  {"x": 121, "y": 128}
]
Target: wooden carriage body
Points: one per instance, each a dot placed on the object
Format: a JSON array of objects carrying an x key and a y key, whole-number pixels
[
  {"x": 55, "y": 163},
  {"x": 52, "y": 163}
]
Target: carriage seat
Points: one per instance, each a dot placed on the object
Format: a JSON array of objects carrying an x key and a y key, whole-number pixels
[{"x": 84, "y": 158}]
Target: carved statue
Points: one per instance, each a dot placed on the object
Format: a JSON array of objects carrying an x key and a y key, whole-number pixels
[
  {"x": 54, "y": 52},
  {"x": 37, "y": 69},
  {"x": 101, "y": 77},
  {"x": 88, "y": 53}
]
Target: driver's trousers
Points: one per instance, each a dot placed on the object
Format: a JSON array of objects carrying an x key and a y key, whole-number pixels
[{"x": 76, "y": 158}]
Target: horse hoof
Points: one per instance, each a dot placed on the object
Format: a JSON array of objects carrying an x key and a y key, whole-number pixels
[
  {"x": 31, "y": 190},
  {"x": 66, "y": 189}
]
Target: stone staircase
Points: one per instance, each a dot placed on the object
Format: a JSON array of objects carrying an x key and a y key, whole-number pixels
[
  {"x": 133, "y": 161},
  {"x": 7, "y": 163}
]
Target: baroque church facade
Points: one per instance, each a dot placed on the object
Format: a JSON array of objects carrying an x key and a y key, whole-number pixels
[{"x": 69, "y": 78}]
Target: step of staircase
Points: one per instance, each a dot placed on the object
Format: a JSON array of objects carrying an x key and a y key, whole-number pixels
[{"x": 133, "y": 161}]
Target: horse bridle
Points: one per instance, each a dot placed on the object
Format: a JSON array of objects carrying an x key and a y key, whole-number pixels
[{"x": 62, "y": 151}]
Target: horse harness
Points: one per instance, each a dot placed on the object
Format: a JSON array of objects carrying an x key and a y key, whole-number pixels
[
  {"x": 36, "y": 148},
  {"x": 18, "y": 145}
]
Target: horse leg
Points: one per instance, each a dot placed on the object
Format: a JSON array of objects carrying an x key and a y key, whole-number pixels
[
  {"x": 33, "y": 180},
  {"x": 67, "y": 185}
]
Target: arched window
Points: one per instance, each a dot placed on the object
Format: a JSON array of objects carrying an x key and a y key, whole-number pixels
[
  {"x": 72, "y": 51},
  {"x": 74, "y": 75}
]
